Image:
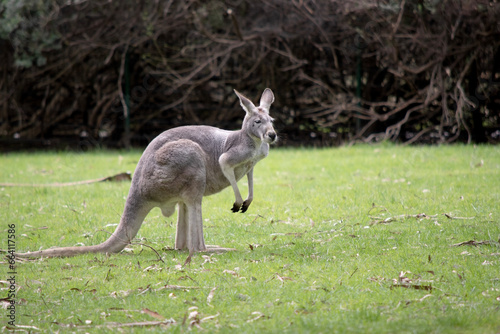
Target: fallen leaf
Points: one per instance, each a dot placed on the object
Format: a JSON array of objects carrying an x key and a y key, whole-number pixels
[
  {"x": 121, "y": 293},
  {"x": 185, "y": 277},
  {"x": 459, "y": 276},
  {"x": 258, "y": 315},
  {"x": 400, "y": 217},
  {"x": 208, "y": 259},
  {"x": 4, "y": 302},
  {"x": 188, "y": 260},
  {"x": 283, "y": 278},
  {"x": 144, "y": 290},
  {"x": 424, "y": 297},
  {"x": 376, "y": 279},
  {"x": 471, "y": 243},
  {"x": 210, "y": 317},
  {"x": 153, "y": 267},
  {"x": 231, "y": 272},
  {"x": 403, "y": 279},
  {"x": 452, "y": 217},
  {"x": 27, "y": 327},
  {"x": 177, "y": 287},
  {"x": 413, "y": 286},
  {"x": 211, "y": 295},
  {"x": 194, "y": 318},
  {"x": 115, "y": 324},
  {"x": 405, "y": 282},
  {"x": 486, "y": 293},
  {"x": 154, "y": 314},
  {"x": 104, "y": 315}
]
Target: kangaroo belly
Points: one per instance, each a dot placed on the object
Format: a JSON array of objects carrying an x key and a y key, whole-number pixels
[{"x": 216, "y": 181}]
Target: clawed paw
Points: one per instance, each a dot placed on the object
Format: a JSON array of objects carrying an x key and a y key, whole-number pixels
[
  {"x": 245, "y": 206},
  {"x": 241, "y": 208},
  {"x": 236, "y": 207}
]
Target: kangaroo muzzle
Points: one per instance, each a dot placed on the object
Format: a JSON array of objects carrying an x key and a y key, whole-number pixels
[{"x": 270, "y": 137}]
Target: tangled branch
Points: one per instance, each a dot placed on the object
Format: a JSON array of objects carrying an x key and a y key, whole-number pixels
[{"x": 342, "y": 70}]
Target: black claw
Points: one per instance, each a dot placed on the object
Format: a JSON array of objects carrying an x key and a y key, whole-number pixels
[
  {"x": 245, "y": 206},
  {"x": 235, "y": 208}
]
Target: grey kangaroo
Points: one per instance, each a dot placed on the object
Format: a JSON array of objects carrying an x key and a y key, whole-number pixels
[{"x": 179, "y": 167}]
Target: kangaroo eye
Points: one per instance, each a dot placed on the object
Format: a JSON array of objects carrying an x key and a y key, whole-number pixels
[{"x": 258, "y": 121}]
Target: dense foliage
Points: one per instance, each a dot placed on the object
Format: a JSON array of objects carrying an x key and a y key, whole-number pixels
[{"x": 119, "y": 72}]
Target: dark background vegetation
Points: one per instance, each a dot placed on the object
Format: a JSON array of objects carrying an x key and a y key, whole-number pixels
[{"x": 77, "y": 73}]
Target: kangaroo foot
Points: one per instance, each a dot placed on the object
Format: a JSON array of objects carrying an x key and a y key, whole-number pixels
[{"x": 217, "y": 249}]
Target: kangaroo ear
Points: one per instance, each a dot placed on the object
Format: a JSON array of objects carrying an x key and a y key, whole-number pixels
[
  {"x": 245, "y": 103},
  {"x": 266, "y": 99}
]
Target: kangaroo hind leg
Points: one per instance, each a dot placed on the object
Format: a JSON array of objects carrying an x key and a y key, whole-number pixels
[
  {"x": 181, "y": 167},
  {"x": 181, "y": 234}
]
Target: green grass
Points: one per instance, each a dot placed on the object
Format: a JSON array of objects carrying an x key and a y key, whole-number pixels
[{"x": 331, "y": 237}]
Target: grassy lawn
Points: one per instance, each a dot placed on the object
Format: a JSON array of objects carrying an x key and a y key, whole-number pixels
[{"x": 363, "y": 239}]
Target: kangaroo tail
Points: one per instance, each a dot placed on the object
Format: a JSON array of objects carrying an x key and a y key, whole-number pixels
[{"x": 130, "y": 222}]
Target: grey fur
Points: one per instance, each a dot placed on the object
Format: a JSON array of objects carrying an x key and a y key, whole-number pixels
[{"x": 182, "y": 165}]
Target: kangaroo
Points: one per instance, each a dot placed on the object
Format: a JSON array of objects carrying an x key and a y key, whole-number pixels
[{"x": 178, "y": 168}]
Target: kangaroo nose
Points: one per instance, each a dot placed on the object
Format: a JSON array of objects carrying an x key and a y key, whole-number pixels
[{"x": 272, "y": 135}]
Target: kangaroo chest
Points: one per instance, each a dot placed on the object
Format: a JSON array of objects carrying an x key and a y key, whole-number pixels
[{"x": 245, "y": 167}]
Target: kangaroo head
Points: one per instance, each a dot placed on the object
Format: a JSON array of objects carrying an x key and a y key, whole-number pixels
[{"x": 257, "y": 123}]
